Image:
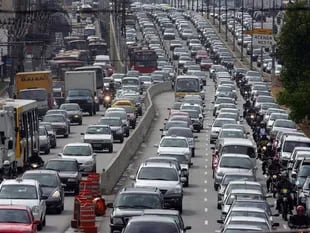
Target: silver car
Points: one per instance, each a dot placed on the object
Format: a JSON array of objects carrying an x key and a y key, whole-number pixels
[
  {"x": 44, "y": 140},
  {"x": 59, "y": 124},
  {"x": 99, "y": 136}
]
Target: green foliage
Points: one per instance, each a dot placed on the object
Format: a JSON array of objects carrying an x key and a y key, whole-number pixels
[{"x": 294, "y": 50}]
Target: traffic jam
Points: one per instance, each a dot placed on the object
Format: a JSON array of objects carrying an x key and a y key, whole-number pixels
[{"x": 257, "y": 156}]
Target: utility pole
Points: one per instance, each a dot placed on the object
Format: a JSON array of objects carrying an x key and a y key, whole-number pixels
[
  {"x": 242, "y": 9},
  {"x": 202, "y": 7},
  {"x": 219, "y": 16},
  {"x": 273, "y": 46},
  {"x": 213, "y": 12},
  {"x": 226, "y": 29},
  {"x": 208, "y": 10},
  {"x": 234, "y": 40},
  {"x": 252, "y": 27},
  {"x": 262, "y": 26},
  {"x": 197, "y": 7},
  {"x": 192, "y": 5}
]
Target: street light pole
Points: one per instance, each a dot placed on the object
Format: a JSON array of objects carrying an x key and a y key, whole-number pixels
[
  {"x": 213, "y": 12},
  {"x": 226, "y": 29},
  {"x": 219, "y": 16},
  {"x": 242, "y": 9},
  {"x": 252, "y": 35},
  {"x": 234, "y": 40}
]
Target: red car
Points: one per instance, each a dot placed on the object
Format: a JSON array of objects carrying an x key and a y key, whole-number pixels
[
  {"x": 17, "y": 219},
  {"x": 205, "y": 64},
  {"x": 201, "y": 54}
]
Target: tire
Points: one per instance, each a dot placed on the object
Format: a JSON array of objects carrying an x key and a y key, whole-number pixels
[
  {"x": 44, "y": 221},
  {"x": 91, "y": 112},
  {"x": 80, "y": 123},
  {"x": 219, "y": 206},
  {"x": 66, "y": 135},
  {"x": 198, "y": 130},
  {"x": 193, "y": 152},
  {"x": 133, "y": 126},
  {"x": 77, "y": 190},
  {"x": 59, "y": 210},
  {"x": 216, "y": 187},
  {"x": 39, "y": 227},
  {"x": 111, "y": 149},
  {"x": 121, "y": 140},
  {"x": 94, "y": 110},
  {"x": 47, "y": 151},
  {"x": 127, "y": 134},
  {"x": 180, "y": 208},
  {"x": 186, "y": 184}
]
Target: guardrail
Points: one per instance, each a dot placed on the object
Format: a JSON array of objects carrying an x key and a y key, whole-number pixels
[{"x": 117, "y": 166}]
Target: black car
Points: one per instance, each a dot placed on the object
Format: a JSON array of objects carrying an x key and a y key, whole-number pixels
[
  {"x": 116, "y": 125},
  {"x": 68, "y": 170},
  {"x": 52, "y": 187},
  {"x": 131, "y": 202},
  {"x": 74, "y": 112}
]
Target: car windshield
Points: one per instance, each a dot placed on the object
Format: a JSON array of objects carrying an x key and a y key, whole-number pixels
[
  {"x": 98, "y": 130},
  {"x": 77, "y": 150},
  {"x": 278, "y": 116},
  {"x": 151, "y": 227},
  {"x": 110, "y": 122},
  {"x": 54, "y": 118},
  {"x": 61, "y": 165},
  {"x": 289, "y": 146},
  {"x": 229, "y": 178},
  {"x": 238, "y": 149},
  {"x": 42, "y": 131},
  {"x": 14, "y": 216},
  {"x": 236, "y": 162},
  {"x": 170, "y": 142},
  {"x": 232, "y": 134},
  {"x": 248, "y": 213},
  {"x": 221, "y": 122},
  {"x": 119, "y": 114},
  {"x": 285, "y": 124},
  {"x": 73, "y": 93},
  {"x": 45, "y": 180},
  {"x": 176, "y": 124},
  {"x": 158, "y": 173},
  {"x": 188, "y": 85},
  {"x": 70, "y": 107},
  {"x": 38, "y": 95},
  {"x": 48, "y": 127},
  {"x": 128, "y": 109},
  {"x": 180, "y": 157},
  {"x": 304, "y": 171},
  {"x": 224, "y": 100},
  {"x": 232, "y": 197},
  {"x": 138, "y": 200},
  {"x": 180, "y": 132},
  {"x": 18, "y": 191}
]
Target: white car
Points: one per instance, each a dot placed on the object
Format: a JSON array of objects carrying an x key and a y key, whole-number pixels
[
  {"x": 99, "y": 136},
  {"x": 174, "y": 144},
  {"x": 274, "y": 116},
  {"x": 25, "y": 192},
  {"x": 83, "y": 153},
  {"x": 217, "y": 126}
]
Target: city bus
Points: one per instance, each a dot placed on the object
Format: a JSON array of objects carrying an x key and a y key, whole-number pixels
[
  {"x": 187, "y": 85},
  {"x": 143, "y": 60},
  {"x": 19, "y": 122},
  {"x": 59, "y": 67}
]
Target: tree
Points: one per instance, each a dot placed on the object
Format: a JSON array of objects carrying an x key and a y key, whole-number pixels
[{"x": 294, "y": 52}]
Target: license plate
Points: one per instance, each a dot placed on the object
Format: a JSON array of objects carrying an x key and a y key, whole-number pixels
[{"x": 97, "y": 145}]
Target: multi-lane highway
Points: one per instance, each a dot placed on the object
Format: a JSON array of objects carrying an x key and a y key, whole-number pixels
[{"x": 199, "y": 203}]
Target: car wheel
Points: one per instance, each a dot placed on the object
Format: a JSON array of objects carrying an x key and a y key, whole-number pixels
[
  {"x": 186, "y": 184},
  {"x": 47, "y": 151},
  {"x": 180, "y": 208},
  {"x": 111, "y": 149},
  {"x": 80, "y": 123},
  {"x": 44, "y": 221},
  {"x": 77, "y": 190},
  {"x": 127, "y": 134},
  {"x": 59, "y": 210},
  {"x": 66, "y": 135},
  {"x": 39, "y": 227},
  {"x": 133, "y": 126},
  {"x": 193, "y": 152},
  {"x": 198, "y": 130},
  {"x": 215, "y": 187},
  {"x": 219, "y": 206},
  {"x": 54, "y": 145},
  {"x": 90, "y": 113},
  {"x": 121, "y": 140}
]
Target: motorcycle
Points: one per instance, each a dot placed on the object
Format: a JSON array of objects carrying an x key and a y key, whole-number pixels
[
  {"x": 284, "y": 203},
  {"x": 273, "y": 184},
  {"x": 107, "y": 100}
]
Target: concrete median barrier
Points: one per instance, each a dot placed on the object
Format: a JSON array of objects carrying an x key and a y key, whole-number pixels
[{"x": 117, "y": 166}]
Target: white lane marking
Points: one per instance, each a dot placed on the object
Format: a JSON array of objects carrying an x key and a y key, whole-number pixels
[
  {"x": 205, "y": 199},
  {"x": 206, "y": 222},
  {"x": 206, "y": 159},
  {"x": 205, "y": 190},
  {"x": 206, "y": 173},
  {"x": 206, "y": 181},
  {"x": 206, "y": 166},
  {"x": 284, "y": 226},
  {"x": 206, "y": 210}
]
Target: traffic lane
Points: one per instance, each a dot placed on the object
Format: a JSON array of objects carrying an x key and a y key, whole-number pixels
[
  {"x": 59, "y": 223},
  {"x": 147, "y": 149}
]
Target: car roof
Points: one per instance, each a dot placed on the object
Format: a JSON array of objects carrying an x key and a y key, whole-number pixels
[
  {"x": 161, "y": 158},
  {"x": 246, "y": 182},
  {"x": 152, "y": 218},
  {"x": 77, "y": 144},
  {"x": 245, "y": 191},
  {"x": 247, "y": 218},
  {"x": 235, "y": 155},
  {"x": 237, "y": 142},
  {"x": 62, "y": 159},
  {"x": 174, "y": 137},
  {"x": 20, "y": 181},
  {"x": 140, "y": 190},
  {"x": 247, "y": 209},
  {"x": 41, "y": 171},
  {"x": 14, "y": 207},
  {"x": 242, "y": 226},
  {"x": 297, "y": 138},
  {"x": 157, "y": 164},
  {"x": 161, "y": 211}
]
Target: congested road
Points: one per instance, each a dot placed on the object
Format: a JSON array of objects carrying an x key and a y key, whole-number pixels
[{"x": 200, "y": 198}]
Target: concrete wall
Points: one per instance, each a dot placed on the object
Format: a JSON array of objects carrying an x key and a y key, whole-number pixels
[{"x": 117, "y": 166}]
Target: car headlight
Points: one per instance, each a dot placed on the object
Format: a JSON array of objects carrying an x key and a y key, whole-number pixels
[
  {"x": 89, "y": 101},
  {"x": 72, "y": 179},
  {"x": 76, "y": 116},
  {"x": 56, "y": 194},
  {"x": 119, "y": 131},
  {"x": 96, "y": 99},
  {"x": 117, "y": 221},
  {"x": 107, "y": 98},
  {"x": 35, "y": 209},
  {"x": 88, "y": 163}
]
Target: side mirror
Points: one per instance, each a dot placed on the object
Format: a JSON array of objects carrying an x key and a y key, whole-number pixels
[
  {"x": 63, "y": 185},
  {"x": 212, "y": 147},
  {"x": 221, "y": 221},
  {"x": 10, "y": 144},
  {"x": 155, "y": 145},
  {"x": 276, "y": 215},
  {"x": 37, "y": 222},
  {"x": 132, "y": 177},
  {"x": 187, "y": 228},
  {"x": 294, "y": 175},
  {"x": 59, "y": 155},
  {"x": 110, "y": 205},
  {"x": 94, "y": 154},
  {"x": 82, "y": 133},
  {"x": 195, "y": 136},
  {"x": 44, "y": 197},
  {"x": 161, "y": 130}
]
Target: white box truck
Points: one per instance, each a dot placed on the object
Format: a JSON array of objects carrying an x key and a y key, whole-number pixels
[{"x": 80, "y": 87}]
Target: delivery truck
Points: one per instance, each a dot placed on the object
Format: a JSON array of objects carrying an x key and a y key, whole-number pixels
[{"x": 80, "y": 87}]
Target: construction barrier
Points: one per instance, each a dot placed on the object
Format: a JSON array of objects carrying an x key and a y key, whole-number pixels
[{"x": 88, "y": 204}]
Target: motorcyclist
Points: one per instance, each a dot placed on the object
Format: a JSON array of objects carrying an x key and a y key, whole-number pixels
[
  {"x": 299, "y": 221},
  {"x": 107, "y": 91},
  {"x": 273, "y": 169},
  {"x": 36, "y": 158},
  {"x": 247, "y": 112},
  {"x": 262, "y": 132},
  {"x": 284, "y": 183},
  {"x": 262, "y": 146},
  {"x": 266, "y": 155},
  {"x": 247, "y": 104}
]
